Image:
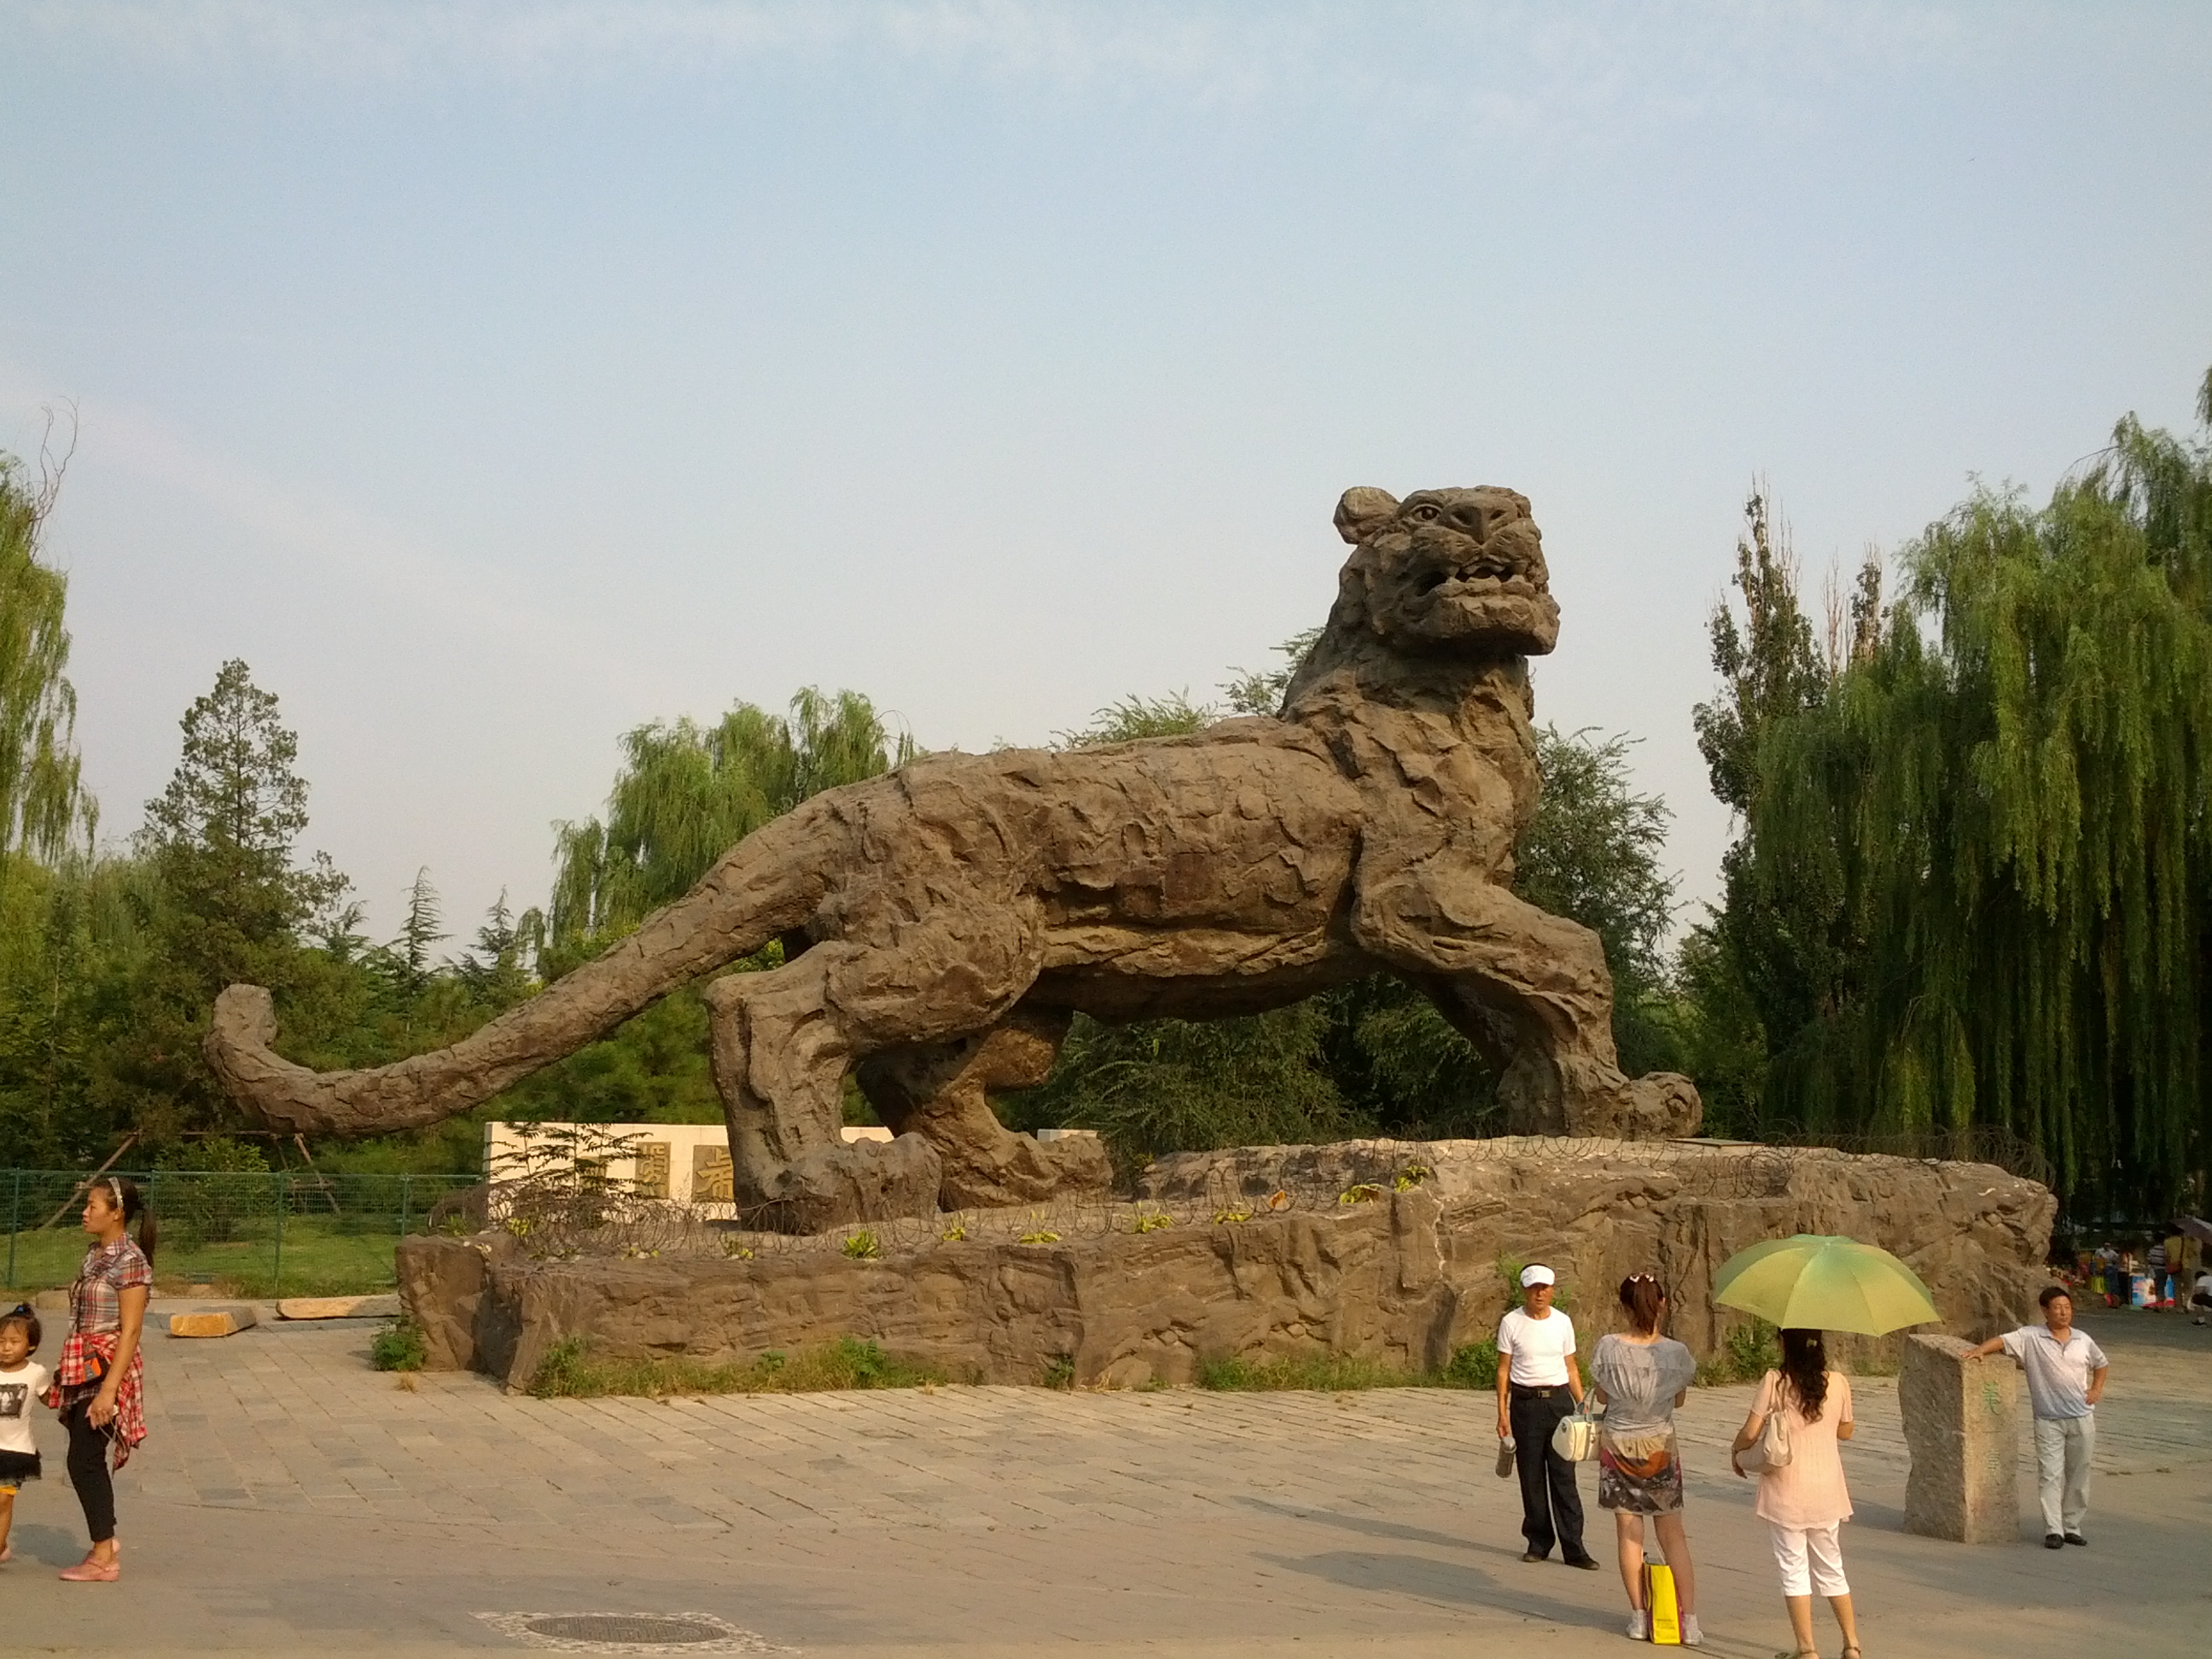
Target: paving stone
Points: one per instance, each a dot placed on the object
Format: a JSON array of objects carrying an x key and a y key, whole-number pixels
[{"x": 997, "y": 1522}]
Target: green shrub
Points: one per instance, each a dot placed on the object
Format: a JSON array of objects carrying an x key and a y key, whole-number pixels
[
  {"x": 398, "y": 1347},
  {"x": 862, "y": 1246},
  {"x": 1060, "y": 1373},
  {"x": 1748, "y": 1353},
  {"x": 569, "y": 1371},
  {"x": 206, "y": 1188},
  {"x": 1474, "y": 1366}
]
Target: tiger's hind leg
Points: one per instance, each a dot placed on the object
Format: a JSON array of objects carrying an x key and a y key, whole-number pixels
[
  {"x": 942, "y": 1092},
  {"x": 780, "y": 1053}
]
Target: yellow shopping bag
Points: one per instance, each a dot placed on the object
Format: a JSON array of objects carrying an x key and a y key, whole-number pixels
[{"x": 1666, "y": 1614}]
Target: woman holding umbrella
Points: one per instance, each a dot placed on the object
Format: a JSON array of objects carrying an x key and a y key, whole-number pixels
[
  {"x": 1805, "y": 1502},
  {"x": 1809, "y": 1285}
]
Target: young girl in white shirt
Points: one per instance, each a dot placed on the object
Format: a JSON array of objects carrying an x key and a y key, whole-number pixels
[{"x": 21, "y": 1381}]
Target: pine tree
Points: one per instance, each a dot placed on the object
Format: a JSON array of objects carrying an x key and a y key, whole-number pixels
[
  {"x": 422, "y": 928},
  {"x": 1773, "y": 957},
  {"x": 228, "y": 901}
]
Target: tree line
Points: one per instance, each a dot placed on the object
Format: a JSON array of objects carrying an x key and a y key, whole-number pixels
[{"x": 1967, "y": 886}]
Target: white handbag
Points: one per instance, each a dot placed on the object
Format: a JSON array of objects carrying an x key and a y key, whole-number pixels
[
  {"x": 1771, "y": 1451},
  {"x": 1576, "y": 1437}
]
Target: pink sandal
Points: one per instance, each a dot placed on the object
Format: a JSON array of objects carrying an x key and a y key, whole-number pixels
[{"x": 90, "y": 1572}]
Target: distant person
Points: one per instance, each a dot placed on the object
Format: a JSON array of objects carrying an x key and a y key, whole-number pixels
[
  {"x": 2155, "y": 1264},
  {"x": 2108, "y": 1276},
  {"x": 99, "y": 1375},
  {"x": 21, "y": 1381},
  {"x": 2200, "y": 1299},
  {"x": 1640, "y": 1377},
  {"x": 1538, "y": 1383},
  {"x": 2066, "y": 1372},
  {"x": 1805, "y": 1502}
]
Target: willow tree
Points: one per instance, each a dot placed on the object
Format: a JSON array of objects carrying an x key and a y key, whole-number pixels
[
  {"x": 2009, "y": 797},
  {"x": 687, "y": 792},
  {"x": 41, "y": 807}
]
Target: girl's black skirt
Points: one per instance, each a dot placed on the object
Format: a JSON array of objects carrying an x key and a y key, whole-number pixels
[{"x": 16, "y": 1467}]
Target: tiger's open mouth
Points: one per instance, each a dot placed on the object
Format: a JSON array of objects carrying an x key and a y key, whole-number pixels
[{"x": 1484, "y": 569}]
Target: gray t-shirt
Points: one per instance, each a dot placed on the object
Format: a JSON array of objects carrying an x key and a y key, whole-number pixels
[
  {"x": 1640, "y": 1381},
  {"x": 2057, "y": 1376}
]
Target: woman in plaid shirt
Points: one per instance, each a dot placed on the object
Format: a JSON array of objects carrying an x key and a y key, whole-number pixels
[{"x": 99, "y": 1379}]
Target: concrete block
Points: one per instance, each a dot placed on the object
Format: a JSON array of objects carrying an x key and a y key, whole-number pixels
[
  {"x": 1962, "y": 1421},
  {"x": 226, "y": 1321},
  {"x": 338, "y": 1307}
]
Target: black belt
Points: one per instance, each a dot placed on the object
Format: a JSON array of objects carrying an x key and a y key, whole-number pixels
[{"x": 1524, "y": 1391}]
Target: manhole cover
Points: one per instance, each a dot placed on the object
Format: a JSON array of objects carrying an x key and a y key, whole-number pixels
[
  {"x": 629, "y": 1633},
  {"x": 623, "y": 1627}
]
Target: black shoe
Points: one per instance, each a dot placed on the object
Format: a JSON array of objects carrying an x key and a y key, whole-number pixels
[
  {"x": 1587, "y": 1563},
  {"x": 2076, "y": 1537},
  {"x": 1537, "y": 1555},
  {"x": 2052, "y": 1541}
]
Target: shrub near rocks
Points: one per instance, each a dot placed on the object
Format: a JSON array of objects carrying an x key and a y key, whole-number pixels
[{"x": 398, "y": 1347}]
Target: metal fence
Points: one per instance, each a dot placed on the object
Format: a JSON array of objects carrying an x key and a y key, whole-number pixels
[
  {"x": 242, "y": 1233},
  {"x": 1973, "y": 1143}
]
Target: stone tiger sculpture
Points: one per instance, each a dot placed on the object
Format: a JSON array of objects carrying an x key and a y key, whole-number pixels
[{"x": 943, "y": 924}]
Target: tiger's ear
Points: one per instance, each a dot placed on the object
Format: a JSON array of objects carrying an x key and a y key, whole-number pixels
[{"x": 1363, "y": 510}]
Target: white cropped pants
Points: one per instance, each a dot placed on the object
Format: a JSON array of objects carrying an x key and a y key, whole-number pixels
[{"x": 1811, "y": 1557}]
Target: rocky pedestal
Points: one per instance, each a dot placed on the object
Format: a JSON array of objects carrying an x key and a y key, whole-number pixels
[
  {"x": 1272, "y": 1253},
  {"x": 1962, "y": 1421}
]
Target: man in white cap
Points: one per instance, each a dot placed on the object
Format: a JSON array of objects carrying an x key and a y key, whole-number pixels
[{"x": 1538, "y": 1383}]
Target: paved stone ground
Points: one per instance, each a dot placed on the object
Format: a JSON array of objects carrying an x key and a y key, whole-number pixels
[{"x": 292, "y": 1501}]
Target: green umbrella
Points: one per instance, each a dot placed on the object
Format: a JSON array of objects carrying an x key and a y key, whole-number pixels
[{"x": 1815, "y": 1282}]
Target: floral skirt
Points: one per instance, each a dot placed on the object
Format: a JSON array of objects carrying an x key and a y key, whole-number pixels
[{"x": 1640, "y": 1474}]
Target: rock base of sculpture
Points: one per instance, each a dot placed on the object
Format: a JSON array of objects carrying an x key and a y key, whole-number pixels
[
  {"x": 1259, "y": 1254},
  {"x": 1962, "y": 1421},
  {"x": 852, "y": 1181}
]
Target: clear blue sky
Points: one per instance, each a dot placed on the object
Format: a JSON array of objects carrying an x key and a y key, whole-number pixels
[{"x": 494, "y": 377}]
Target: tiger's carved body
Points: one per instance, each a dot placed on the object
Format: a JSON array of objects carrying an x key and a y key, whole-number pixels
[{"x": 944, "y": 923}]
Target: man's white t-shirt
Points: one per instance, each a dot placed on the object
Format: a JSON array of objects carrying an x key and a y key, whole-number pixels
[
  {"x": 1537, "y": 1348},
  {"x": 17, "y": 1390}
]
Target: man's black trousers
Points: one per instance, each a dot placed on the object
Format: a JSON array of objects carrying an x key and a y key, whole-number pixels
[{"x": 1551, "y": 1507}]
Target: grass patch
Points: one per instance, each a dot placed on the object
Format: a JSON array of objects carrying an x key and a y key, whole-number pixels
[
  {"x": 1474, "y": 1366},
  {"x": 322, "y": 1256},
  {"x": 570, "y": 1371},
  {"x": 399, "y": 1348},
  {"x": 1331, "y": 1373}
]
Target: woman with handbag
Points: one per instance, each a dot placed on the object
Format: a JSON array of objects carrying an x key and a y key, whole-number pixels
[
  {"x": 1640, "y": 1377},
  {"x": 99, "y": 1376},
  {"x": 1803, "y": 1410}
]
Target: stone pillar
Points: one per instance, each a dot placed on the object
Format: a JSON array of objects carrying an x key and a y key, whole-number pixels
[{"x": 1962, "y": 1427}]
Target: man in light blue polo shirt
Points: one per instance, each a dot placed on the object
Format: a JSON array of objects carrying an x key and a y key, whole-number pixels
[{"x": 2065, "y": 1379}]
